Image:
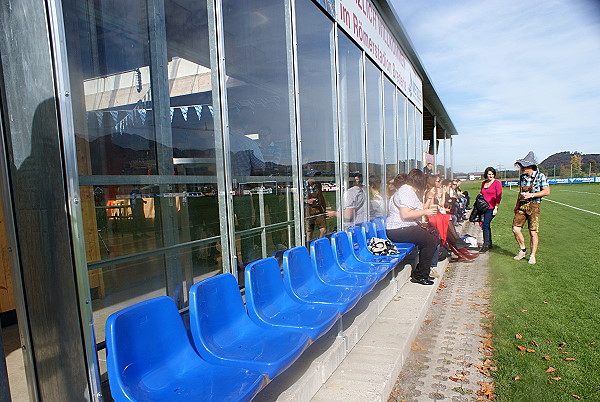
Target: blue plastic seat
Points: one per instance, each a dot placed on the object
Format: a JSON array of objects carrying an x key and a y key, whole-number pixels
[
  {"x": 380, "y": 229},
  {"x": 328, "y": 269},
  {"x": 371, "y": 231},
  {"x": 359, "y": 246},
  {"x": 149, "y": 358},
  {"x": 223, "y": 333},
  {"x": 302, "y": 282},
  {"x": 269, "y": 304},
  {"x": 342, "y": 250}
]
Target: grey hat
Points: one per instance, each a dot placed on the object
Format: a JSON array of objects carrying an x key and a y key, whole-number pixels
[{"x": 528, "y": 160}]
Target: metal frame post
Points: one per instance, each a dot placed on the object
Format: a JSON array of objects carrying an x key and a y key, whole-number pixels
[
  {"x": 221, "y": 124},
  {"x": 296, "y": 132},
  {"x": 434, "y": 145},
  {"x": 451, "y": 160}
]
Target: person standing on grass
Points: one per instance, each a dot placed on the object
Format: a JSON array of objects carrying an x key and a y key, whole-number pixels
[
  {"x": 532, "y": 187},
  {"x": 491, "y": 189}
]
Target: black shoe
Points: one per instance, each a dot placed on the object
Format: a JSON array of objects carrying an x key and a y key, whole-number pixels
[
  {"x": 483, "y": 249},
  {"x": 424, "y": 281},
  {"x": 491, "y": 246},
  {"x": 431, "y": 278}
]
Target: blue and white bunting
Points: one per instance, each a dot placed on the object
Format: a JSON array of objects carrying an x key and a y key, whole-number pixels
[
  {"x": 100, "y": 118},
  {"x": 142, "y": 113}
]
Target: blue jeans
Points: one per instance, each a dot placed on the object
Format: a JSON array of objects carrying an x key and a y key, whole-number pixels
[{"x": 486, "y": 227}]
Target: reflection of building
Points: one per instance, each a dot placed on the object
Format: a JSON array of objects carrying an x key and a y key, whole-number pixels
[{"x": 105, "y": 99}]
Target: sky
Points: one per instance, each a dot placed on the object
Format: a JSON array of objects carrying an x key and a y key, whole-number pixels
[{"x": 514, "y": 75}]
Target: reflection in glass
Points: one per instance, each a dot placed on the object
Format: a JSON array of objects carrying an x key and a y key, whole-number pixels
[
  {"x": 411, "y": 139},
  {"x": 145, "y": 148},
  {"x": 402, "y": 136},
  {"x": 421, "y": 145},
  {"x": 375, "y": 151},
  {"x": 260, "y": 135},
  {"x": 352, "y": 133},
  {"x": 389, "y": 116},
  {"x": 317, "y": 117}
]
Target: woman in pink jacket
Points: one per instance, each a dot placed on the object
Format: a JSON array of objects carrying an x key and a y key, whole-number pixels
[{"x": 491, "y": 189}]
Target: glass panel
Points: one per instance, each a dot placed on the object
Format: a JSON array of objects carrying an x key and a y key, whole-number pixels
[
  {"x": 402, "y": 137},
  {"x": 420, "y": 143},
  {"x": 411, "y": 142},
  {"x": 352, "y": 133},
  {"x": 317, "y": 117},
  {"x": 373, "y": 99},
  {"x": 390, "y": 145},
  {"x": 260, "y": 134},
  {"x": 143, "y": 116}
]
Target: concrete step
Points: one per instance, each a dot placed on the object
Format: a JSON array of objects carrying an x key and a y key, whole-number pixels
[{"x": 360, "y": 358}]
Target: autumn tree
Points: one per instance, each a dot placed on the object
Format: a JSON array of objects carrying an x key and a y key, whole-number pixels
[{"x": 576, "y": 163}]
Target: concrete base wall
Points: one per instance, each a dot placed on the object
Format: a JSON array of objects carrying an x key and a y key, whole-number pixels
[{"x": 361, "y": 357}]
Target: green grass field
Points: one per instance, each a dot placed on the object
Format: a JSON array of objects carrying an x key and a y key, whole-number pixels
[{"x": 551, "y": 309}]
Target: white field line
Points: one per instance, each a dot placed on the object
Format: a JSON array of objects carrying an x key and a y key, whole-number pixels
[
  {"x": 580, "y": 192},
  {"x": 570, "y": 206}
]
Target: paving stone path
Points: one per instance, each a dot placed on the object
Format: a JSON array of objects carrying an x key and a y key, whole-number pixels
[{"x": 452, "y": 340}]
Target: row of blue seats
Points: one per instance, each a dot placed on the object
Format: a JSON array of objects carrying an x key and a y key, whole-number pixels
[{"x": 236, "y": 350}]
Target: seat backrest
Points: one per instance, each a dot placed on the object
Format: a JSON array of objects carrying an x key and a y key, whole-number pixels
[
  {"x": 370, "y": 231},
  {"x": 342, "y": 248},
  {"x": 265, "y": 293},
  {"x": 216, "y": 307},
  {"x": 357, "y": 237},
  {"x": 380, "y": 227},
  {"x": 142, "y": 337},
  {"x": 321, "y": 255},
  {"x": 297, "y": 269}
]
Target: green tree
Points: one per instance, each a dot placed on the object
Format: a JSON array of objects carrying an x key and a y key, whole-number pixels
[{"x": 565, "y": 170}]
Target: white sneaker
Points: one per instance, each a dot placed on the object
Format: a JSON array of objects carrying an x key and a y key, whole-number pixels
[
  {"x": 521, "y": 255},
  {"x": 532, "y": 260}
]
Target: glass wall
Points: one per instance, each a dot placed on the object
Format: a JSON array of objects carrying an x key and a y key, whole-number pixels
[
  {"x": 317, "y": 105},
  {"x": 352, "y": 133},
  {"x": 375, "y": 144},
  {"x": 143, "y": 116},
  {"x": 150, "y": 156},
  {"x": 402, "y": 139},
  {"x": 260, "y": 131}
]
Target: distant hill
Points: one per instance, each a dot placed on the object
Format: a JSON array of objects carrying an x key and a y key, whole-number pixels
[{"x": 564, "y": 158}]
